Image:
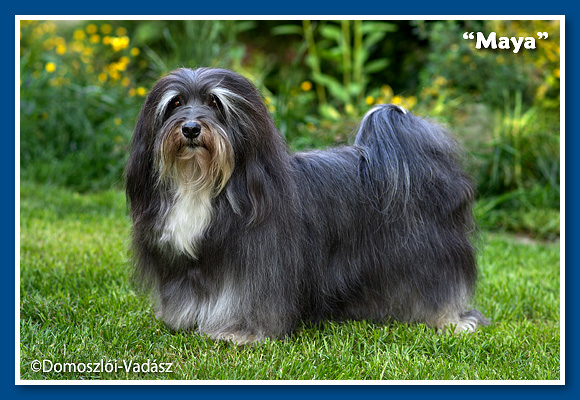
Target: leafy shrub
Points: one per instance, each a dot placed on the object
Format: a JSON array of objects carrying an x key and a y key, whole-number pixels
[{"x": 78, "y": 103}]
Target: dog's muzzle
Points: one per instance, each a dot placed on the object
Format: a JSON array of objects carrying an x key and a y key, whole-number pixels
[{"x": 191, "y": 130}]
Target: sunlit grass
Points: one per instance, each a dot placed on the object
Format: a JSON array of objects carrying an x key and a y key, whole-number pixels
[{"x": 77, "y": 305}]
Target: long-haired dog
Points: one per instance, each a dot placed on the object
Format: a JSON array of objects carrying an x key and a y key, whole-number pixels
[{"x": 241, "y": 240}]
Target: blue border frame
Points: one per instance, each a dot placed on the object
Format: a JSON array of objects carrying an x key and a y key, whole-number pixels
[{"x": 299, "y": 7}]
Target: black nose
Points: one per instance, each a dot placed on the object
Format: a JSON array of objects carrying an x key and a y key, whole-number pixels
[{"x": 191, "y": 129}]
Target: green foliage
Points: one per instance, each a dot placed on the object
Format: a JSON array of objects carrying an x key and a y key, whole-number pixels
[
  {"x": 486, "y": 74},
  {"x": 532, "y": 212},
  {"x": 515, "y": 141},
  {"x": 192, "y": 44},
  {"x": 338, "y": 85},
  {"x": 77, "y": 305},
  {"x": 339, "y": 61},
  {"x": 77, "y": 104},
  {"x": 519, "y": 154}
]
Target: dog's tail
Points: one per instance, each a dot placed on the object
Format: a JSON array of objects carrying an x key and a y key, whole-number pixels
[{"x": 410, "y": 165}]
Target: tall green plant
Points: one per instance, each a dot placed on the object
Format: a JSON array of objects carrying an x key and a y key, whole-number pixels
[
  {"x": 339, "y": 59},
  {"x": 522, "y": 153}
]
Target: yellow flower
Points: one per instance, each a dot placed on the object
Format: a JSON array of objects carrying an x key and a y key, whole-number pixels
[
  {"x": 121, "y": 31},
  {"x": 369, "y": 100},
  {"x": 117, "y": 121},
  {"x": 79, "y": 34},
  {"x": 91, "y": 29},
  {"x": 387, "y": 92},
  {"x": 95, "y": 38},
  {"x": 306, "y": 86},
  {"x": 123, "y": 61},
  {"x": 125, "y": 82},
  {"x": 141, "y": 91},
  {"x": 557, "y": 72},
  {"x": 106, "y": 29},
  {"x": 119, "y": 43},
  {"x": 398, "y": 100},
  {"x": 410, "y": 102},
  {"x": 60, "y": 49},
  {"x": 135, "y": 51},
  {"x": 48, "y": 44},
  {"x": 77, "y": 47},
  {"x": 102, "y": 77},
  {"x": 114, "y": 74},
  {"x": 50, "y": 67}
]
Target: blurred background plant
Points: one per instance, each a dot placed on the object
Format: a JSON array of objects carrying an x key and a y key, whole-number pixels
[{"x": 82, "y": 84}]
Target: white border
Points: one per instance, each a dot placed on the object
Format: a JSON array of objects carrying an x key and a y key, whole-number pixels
[{"x": 18, "y": 18}]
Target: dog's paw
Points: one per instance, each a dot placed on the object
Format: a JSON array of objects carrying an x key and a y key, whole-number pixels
[
  {"x": 465, "y": 323},
  {"x": 239, "y": 337}
]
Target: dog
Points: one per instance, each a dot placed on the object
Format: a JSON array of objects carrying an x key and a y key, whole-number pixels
[{"x": 240, "y": 240}]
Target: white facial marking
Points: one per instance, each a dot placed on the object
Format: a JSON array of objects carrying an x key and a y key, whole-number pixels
[{"x": 162, "y": 105}]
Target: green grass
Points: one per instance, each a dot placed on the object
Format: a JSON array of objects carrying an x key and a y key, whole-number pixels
[{"x": 77, "y": 305}]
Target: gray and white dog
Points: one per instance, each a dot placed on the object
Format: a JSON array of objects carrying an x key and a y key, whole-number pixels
[{"x": 241, "y": 240}]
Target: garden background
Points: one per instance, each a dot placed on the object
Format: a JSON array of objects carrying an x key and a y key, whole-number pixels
[{"x": 82, "y": 84}]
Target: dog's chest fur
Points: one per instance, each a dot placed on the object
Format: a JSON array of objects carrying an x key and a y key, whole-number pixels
[{"x": 186, "y": 220}]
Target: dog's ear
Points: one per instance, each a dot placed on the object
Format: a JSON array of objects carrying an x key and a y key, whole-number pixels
[
  {"x": 250, "y": 193},
  {"x": 258, "y": 184},
  {"x": 139, "y": 170}
]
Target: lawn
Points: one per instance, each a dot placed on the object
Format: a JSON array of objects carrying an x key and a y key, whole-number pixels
[{"x": 78, "y": 306}]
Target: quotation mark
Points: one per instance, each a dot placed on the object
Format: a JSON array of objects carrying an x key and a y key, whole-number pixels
[
  {"x": 542, "y": 35},
  {"x": 469, "y": 35}
]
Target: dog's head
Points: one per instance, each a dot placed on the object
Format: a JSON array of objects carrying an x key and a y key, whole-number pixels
[
  {"x": 197, "y": 122},
  {"x": 196, "y": 128}
]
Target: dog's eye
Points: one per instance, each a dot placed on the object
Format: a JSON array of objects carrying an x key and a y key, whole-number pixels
[
  {"x": 174, "y": 103},
  {"x": 213, "y": 101},
  {"x": 171, "y": 106}
]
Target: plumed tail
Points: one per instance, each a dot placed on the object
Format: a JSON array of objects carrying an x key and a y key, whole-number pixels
[{"x": 410, "y": 163}]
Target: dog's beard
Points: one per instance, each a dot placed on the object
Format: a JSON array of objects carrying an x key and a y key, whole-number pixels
[{"x": 201, "y": 164}]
